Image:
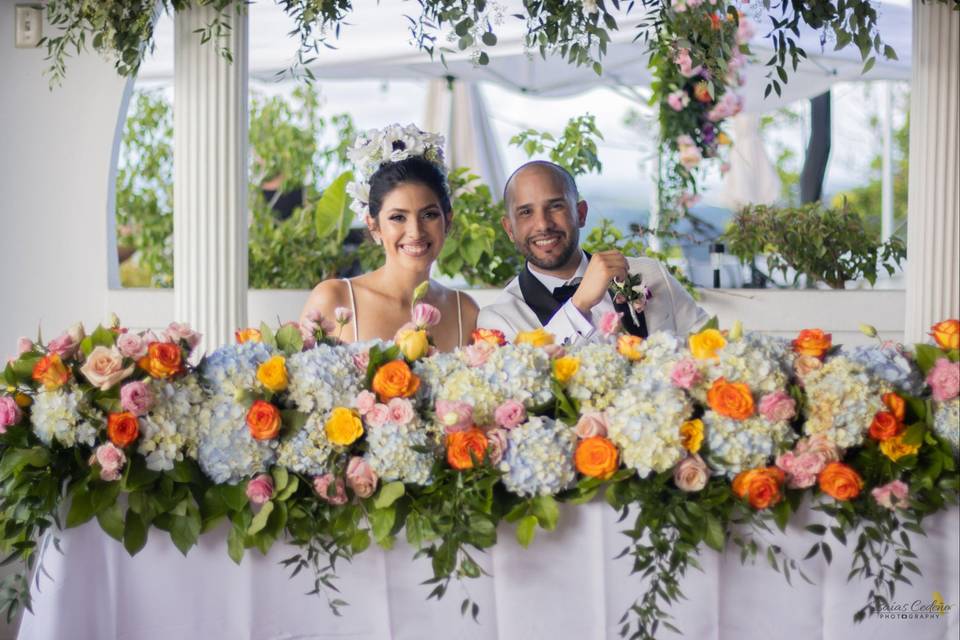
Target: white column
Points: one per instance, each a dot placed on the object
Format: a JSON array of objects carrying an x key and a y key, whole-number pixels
[
  {"x": 886, "y": 166},
  {"x": 210, "y": 177},
  {"x": 933, "y": 227}
]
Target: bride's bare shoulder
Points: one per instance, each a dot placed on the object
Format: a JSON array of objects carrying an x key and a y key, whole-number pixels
[{"x": 327, "y": 296}]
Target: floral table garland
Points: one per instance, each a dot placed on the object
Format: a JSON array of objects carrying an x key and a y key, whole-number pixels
[{"x": 291, "y": 436}]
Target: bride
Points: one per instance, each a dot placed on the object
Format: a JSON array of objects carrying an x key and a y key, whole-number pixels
[{"x": 401, "y": 190}]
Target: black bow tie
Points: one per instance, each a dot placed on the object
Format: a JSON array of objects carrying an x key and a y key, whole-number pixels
[{"x": 564, "y": 292}]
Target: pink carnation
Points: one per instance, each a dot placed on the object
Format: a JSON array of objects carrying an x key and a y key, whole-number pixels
[
  {"x": 401, "y": 411},
  {"x": 260, "y": 489},
  {"x": 778, "y": 406},
  {"x": 591, "y": 425},
  {"x": 510, "y": 414},
  {"x": 136, "y": 398},
  {"x": 425, "y": 315},
  {"x": 944, "y": 380},
  {"x": 337, "y": 495},
  {"x": 361, "y": 478},
  {"x": 378, "y": 415},
  {"x": 610, "y": 323},
  {"x": 892, "y": 495},
  {"x": 10, "y": 413},
  {"x": 454, "y": 415},
  {"x": 364, "y": 402},
  {"x": 685, "y": 374}
]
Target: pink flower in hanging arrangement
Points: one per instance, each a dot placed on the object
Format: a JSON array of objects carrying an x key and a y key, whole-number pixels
[
  {"x": 678, "y": 100},
  {"x": 685, "y": 62}
]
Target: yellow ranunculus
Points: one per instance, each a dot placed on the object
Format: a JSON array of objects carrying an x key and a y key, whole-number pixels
[
  {"x": 704, "y": 345},
  {"x": 272, "y": 374},
  {"x": 344, "y": 426},
  {"x": 538, "y": 337},
  {"x": 691, "y": 435},
  {"x": 565, "y": 368},
  {"x": 895, "y": 448},
  {"x": 413, "y": 343},
  {"x": 629, "y": 347}
]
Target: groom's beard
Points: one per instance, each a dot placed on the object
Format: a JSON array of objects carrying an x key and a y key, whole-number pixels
[{"x": 549, "y": 263}]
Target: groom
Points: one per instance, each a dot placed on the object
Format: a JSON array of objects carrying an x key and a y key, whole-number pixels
[{"x": 563, "y": 289}]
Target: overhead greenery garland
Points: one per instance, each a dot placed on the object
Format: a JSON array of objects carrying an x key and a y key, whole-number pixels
[{"x": 289, "y": 436}]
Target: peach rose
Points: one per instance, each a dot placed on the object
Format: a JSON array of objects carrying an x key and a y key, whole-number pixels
[
  {"x": 629, "y": 346},
  {"x": 730, "y": 399},
  {"x": 361, "y": 478},
  {"x": 760, "y": 486},
  {"x": 497, "y": 440},
  {"x": 813, "y": 342},
  {"x": 597, "y": 457},
  {"x": 691, "y": 474},
  {"x": 477, "y": 354},
  {"x": 104, "y": 367},
  {"x": 947, "y": 334},
  {"x": 247, "y": 335},
  {"x": 591, "y": 425},
  {"x": 263, "y": 420},
  {"x": 395, "y": 380},
  {"x": 840, "y": 481},
  {"x": 122, "y": 428},
  {"x": 805, "y": 365},
  {"x": 460, "y": 446}
]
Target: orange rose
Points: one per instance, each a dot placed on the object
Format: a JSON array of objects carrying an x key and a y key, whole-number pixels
[
  {"x": 395, "y": 380},
  {"x": 701, "y": 91},
  {"x": 163, "y": 360},
  {"x": 885, "y": 426},
  {"x": 760, "y": 486},
  {"x": 813, "y": 342},
  {"x": 629, "y": 347},
  {"x": 840, "y": 481},
  {"x": 460, "y": 446},
  {"x": 263, "y": 420},
  {"x": 730, "y": 399},
  {"x": 896, "y": 404},
  {"x": 597, "y": 457},
  {"x": 51, "y": 372},
  {"x": 122, "y": 428},
  {"x": 248, "y": 335},
  {"x": 947, "y": 334},
  {"x": 493, "y": 336}
]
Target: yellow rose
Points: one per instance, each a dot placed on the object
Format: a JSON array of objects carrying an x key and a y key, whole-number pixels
[
  {"x": 691, "y": 435},
  {"x": 895, "y": 448},
  {"x": 704, "y": 345},
  {"x": 723, "y": 139},
  {"x": 629, "y": 347},
  {"x": 538, "y": 337},
  {"x": 272, "y": 374},
  {"x": 413, "y": 343},
  {"x": 344, "y": 426},
  {"x": 565, "y": 368}
]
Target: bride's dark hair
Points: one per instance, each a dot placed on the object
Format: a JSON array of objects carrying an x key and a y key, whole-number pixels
[{"x": 413, "y": 169}]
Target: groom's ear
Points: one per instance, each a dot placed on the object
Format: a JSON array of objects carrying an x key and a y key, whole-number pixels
[
  {"x": 582, "y": 213},
  {"x": 505, "y": 223}
]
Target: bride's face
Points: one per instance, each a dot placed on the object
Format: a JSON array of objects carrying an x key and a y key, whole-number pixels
[{"x": 411, "y": 224}]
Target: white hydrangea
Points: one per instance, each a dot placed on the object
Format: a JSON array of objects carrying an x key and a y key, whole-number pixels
[
  {"x": 391, "y": 454},
  {"x": 323, "y": 378},
  {"x": 842, "y": 400},
  {"x": 539, "y": 458},
  {"x": 737, "y": 445},
  {"x": 226, "y": 451},
  {"x": 519, "y": 372},
  {"x": 661, "y": 351},
  {"x": 600, "y": 376},
  {"x": 946, "y": 422},
  {"x": 169, "y": 432},
  {"x": 762, "y": 362},
  {"x": 308, "y": 450},
  {"x": 63, "y": 416},
  {"x": 644, "y": 421},
  {"x": 434, "y": 371}
]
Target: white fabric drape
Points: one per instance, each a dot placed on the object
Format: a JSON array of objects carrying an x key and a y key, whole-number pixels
[
  {"x": 752, "y": 178},
  {"x": 567, "y": 585}
]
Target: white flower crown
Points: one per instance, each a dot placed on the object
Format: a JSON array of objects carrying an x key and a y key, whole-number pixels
[{"x": 390, "y": 144}]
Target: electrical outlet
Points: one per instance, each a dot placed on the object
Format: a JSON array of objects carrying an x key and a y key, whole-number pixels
[{"x": 29, "y": 21}]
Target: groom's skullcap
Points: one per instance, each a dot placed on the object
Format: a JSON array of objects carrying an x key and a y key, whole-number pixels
[{"x": 569, "y": 184}]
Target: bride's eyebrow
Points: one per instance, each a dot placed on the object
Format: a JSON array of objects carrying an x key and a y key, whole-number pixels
[{"x": 402, "y": 210}]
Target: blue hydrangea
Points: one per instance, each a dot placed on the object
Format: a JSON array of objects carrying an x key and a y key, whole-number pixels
[
  {"x": 226, "y": 451},
  {"x": 738, "y": 445},
  {"x": 233, "y": 368},
  {"x": 946, "y": 422},
  {"x": 539, "y": 458},
  {"x": 890, "y": 364},
  {"x": 308, "y": 450},
  {"x": 323, "y": 378},
  {"x": 391, "y": 452}
]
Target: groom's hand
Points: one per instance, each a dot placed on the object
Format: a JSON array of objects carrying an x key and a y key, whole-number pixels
[{"x": 603, "y": 268}]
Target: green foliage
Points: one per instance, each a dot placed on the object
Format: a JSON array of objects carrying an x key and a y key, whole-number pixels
[
  {"x": 575, "y": 150},
  {"x": 828, "y": 245}
]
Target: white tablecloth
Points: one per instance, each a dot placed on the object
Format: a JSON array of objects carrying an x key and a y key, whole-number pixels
[{"x": 567, "y": 585}]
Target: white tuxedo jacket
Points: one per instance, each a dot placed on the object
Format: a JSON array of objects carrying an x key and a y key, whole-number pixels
[{"x": 670, "y": 308}]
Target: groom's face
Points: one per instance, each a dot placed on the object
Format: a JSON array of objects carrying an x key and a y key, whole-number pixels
[{"x": 544, "y": 218}]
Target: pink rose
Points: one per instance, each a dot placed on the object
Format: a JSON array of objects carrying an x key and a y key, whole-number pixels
[
  {"x": 336, "y": 496},
  {"x": 401, "y": 411},
  {"x": 260, "y": 489},
  {"x": 554, "y": 350},
  {"x": 683, "y": 60},
  {"x": 361, "y": 360},
  {"x": 132, "y": 346},
  {"x": 364, "y": 402},
  {"x": 807, "y": 460},
  {"x": 892, "y": 495},
  {"x": 944, "y": 380},
  {"x": 510, "y": 414},
  {"x": 136, "y": 398},
  {"x": 610, "y": 323},
  {"x": 678, "y": 100},
  {"x": 361, "y": 478},
  {"x": 691, "y": 474},
  {"x": 745, "y": 31},
  {"x": 454, "y": 415},
  {"x": 685, "y": 374},
  {"x": 592, "y": 424},
  {"x": 10, "y": 413},
  {"x": 425, "y": 315},
  {"x": 104, "y": 367},
  {"x": 24, "y": 345},
  {"x": 342, "y": 315},
  {"x": 821, "y": 446},
  {"x": 111, "y": 460},
  {"x": 778, "y": 406},
  {"x": 63, "y": 345},
  {"x": 378, "y": 415},
  {"x": 477, "y": 354},
  {"x": 497, "y": 441},
  {"x": 178, "y": 331}
]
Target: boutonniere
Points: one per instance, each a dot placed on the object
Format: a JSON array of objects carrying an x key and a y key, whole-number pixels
[{"x": 633, "y": 293}]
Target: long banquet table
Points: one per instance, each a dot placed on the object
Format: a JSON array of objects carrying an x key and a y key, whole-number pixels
[{"x": 566, "y": 585}]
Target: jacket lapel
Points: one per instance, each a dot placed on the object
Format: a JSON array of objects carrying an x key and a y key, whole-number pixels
[{"x": 537, "y": 297}]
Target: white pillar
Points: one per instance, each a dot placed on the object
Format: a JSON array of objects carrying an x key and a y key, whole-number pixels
[
  {"x": 933, "y": 228},
  {"x": 210, "y": 178},
  {"x": 886, "y": 165}
]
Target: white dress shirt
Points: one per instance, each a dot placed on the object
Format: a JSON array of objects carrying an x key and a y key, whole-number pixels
[{"x": 568, "y": 324}]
